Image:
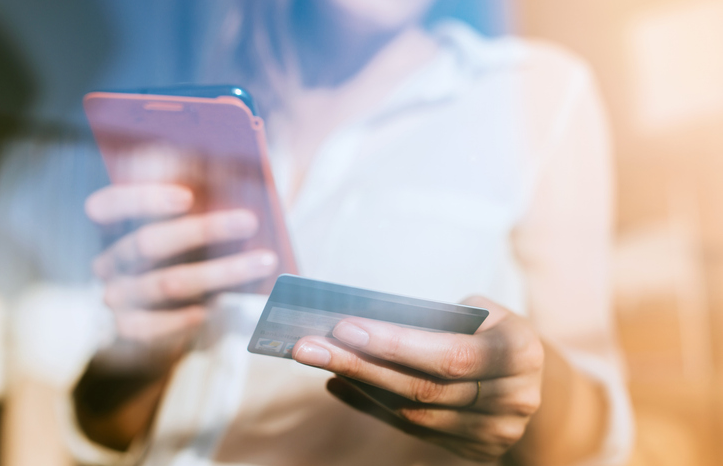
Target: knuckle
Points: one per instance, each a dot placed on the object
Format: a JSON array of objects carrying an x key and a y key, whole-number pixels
[
  {"x": 427, "y": 391},
  {"x": 253, "y": 222},
  {"x": 393, "y": 347},
  {"x": 240, "y": 267},
  {"x": 354, "y": 367},
  {"x": 203, "y": 230},
  {"x": 506, "y": 433},
  {"x": 526, "y": 403},
  {"x": 533, "y": 353},
  {"x": 459, "y": 361},
  {"x": 537, "y": 354},
  {"x": 417, "y": 416},
  {"x": 525, "y": 351},
  {"x": 170, "y": 286},
  {"x": 145, "y": 244},
  {"x": 518, "y": 342}
]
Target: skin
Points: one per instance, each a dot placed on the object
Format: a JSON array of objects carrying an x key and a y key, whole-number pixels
[
  {"x": 347, "y": 33},
  {"x": 154, "y": 329},
  {"x": 532, "y": 407},
  {"x": 426, "y": 384},
  {"x": 131, "y": 291}
]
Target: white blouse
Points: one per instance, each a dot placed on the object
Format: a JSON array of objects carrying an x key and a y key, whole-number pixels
[{"x": 487, "y": 173}]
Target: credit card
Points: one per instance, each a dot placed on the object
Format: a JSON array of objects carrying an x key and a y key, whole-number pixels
[{"x": 298, "y": 307}]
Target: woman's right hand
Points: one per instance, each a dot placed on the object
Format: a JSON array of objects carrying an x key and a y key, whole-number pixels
[{"x": 146, "y": 299}]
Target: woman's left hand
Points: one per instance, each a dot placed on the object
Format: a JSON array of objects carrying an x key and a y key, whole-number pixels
[{"x": 472, "y": 394}]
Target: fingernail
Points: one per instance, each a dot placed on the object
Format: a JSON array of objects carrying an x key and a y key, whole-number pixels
[
  {"x": 178, "y": 200},
  {"x": 351, "y": 334},
  {"x": 313, "y": 355},
  {"x": 267, "y": 260}
]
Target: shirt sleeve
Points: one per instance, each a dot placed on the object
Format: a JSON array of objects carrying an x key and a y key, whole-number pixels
[
  {"x": 54, "y": 331},
  {"x": 563, "y": 246},
  {"x": 199, "y": 402},
  {"x": 83, "y": 450}
]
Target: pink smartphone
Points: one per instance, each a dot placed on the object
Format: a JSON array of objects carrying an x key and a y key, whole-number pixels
[{"x": 214, "y": 145}]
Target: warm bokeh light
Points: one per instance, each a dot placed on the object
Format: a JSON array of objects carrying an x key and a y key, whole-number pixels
[
  {"x": 660, "y": 67},
  {"x": 676, "y": 55}
]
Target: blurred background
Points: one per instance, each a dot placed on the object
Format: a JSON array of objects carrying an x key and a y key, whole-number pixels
[{"x": 660, "y": 67}]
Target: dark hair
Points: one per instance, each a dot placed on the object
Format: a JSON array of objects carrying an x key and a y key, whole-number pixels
[
  {"x": 250, "y": 43},
  {"x": 247, "y": 46}
]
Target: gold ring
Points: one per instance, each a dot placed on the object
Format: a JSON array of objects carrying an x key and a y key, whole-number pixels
[{"x": 476, "y": 397}]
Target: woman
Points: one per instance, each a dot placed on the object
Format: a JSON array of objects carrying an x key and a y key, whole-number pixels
[{"x": 437, "y": 165}]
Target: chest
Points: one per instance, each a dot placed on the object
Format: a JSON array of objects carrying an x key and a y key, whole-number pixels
[{"x": 421, "y": 204}]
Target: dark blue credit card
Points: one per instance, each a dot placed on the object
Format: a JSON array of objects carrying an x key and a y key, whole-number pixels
[{"x": 298, "y": 307}]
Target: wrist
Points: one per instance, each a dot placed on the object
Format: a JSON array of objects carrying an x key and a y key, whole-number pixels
[{"x": 570, "y": 424}]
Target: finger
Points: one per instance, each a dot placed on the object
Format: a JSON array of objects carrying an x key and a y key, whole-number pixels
[
  {"x": 412, "y": 385},
  {"x": 474, "y": 436},
  {"x": 517, "y": 395},
  {"x": 189, "y": 281},
  {"x": 469, "y": 425},
  {"x": 496, "y": 312},
  {"x": 361, "y": 401},
  {"x": 509, "y": 348},
  {"x": 117, "y": 203},
  {"x": 148, "y": 326},
  {"x": 159, "y": 241}
]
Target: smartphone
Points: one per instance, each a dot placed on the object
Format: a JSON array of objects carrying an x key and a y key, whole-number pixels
[
  {"x": 214, "y": 91},
  {"x": 206, "y": 138}
]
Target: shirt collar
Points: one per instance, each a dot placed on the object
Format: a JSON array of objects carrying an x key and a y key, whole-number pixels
[{"x": 464, "y": 55}]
